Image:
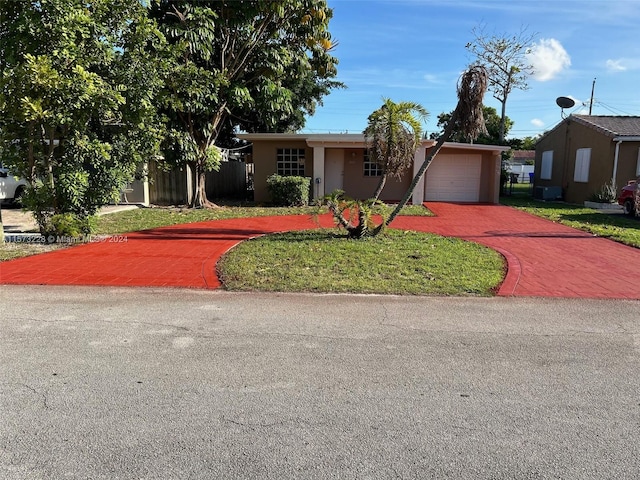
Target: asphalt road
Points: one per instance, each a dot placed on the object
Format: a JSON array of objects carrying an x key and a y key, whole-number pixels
[{"x": 164, "y": 384}]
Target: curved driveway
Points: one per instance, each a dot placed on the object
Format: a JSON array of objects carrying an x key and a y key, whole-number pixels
[{"x": 544, "y": 259}]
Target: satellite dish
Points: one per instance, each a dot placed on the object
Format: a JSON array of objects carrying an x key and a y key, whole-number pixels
[{"x": 565, "y": 102}]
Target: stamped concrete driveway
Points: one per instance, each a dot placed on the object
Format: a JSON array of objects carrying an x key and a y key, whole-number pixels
[{"x": 544, "y": 258}]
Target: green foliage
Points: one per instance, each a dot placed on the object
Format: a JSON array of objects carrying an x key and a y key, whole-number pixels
[
  {"x": 289, "y": 191},
  {"x": 394, "y": 132},
  {"x": 608, "y": 193},
  {"x": 66, "y": 225},
  {"x": 77, "y": 91},
  {"x": 250, "y": 66}
]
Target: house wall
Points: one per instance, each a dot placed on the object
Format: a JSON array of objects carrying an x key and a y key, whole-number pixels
[
  {"x": 627, "y": 163},
  {"x": 565, "y": 140},
  {"x": 265, "y": 164},
  {"x": 356, "y": 185}
]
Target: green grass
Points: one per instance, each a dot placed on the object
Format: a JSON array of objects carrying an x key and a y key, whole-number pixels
[
  {"x": 396, "y": 262},
  {"x": 616, "y": 227},
  {"x": 146, "y": 218},
  {"x": 10, "y": 251}
]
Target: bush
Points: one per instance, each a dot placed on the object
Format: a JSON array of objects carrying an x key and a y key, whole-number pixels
[
  {"x": 66, "y": 225},
  {"x": 608, "y": 193},
  {"x": 289, "y": 191}
]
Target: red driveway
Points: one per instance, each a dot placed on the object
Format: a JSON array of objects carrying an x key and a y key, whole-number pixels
[{"x": 544, "y": 258}]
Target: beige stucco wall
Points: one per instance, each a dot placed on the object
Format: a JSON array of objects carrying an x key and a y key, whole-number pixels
[
  {"x": 356, "y": 185},
  {"x": 564, "y": 142},
  {"x": 265, "y": 164}
]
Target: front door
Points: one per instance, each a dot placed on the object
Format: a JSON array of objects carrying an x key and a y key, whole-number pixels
[{"x": 333, "y": 170}]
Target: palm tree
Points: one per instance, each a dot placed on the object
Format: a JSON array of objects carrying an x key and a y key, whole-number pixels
[
  {"x": 393, "y": 134},
  {"x": 467, "y": 118}
]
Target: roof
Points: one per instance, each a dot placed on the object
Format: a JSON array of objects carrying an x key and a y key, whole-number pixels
[
  {"x": 341, "y": 140},
  {"x": 523, "y": 154},
  {"x": 611, "y": 126}
]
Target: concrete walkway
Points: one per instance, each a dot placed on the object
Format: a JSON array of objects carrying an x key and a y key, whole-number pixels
[{"x": 544, "y": 258}]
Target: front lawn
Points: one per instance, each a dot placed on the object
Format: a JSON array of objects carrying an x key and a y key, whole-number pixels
[
  {"x": 395, "y": 262},
  {"x": 616, "y": 226}
]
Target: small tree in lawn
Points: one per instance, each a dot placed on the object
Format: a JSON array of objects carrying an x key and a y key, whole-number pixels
[
  {"x": 467, "y": 118},
  {"x": 393, "y": 135}
]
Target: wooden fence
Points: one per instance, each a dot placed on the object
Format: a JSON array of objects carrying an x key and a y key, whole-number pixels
[{"x": 172, "y": 188}]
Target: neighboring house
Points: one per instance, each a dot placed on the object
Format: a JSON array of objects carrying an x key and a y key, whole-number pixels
[
  {"x": 583, "y": 153},
  {"x": 459, "y": 173}
]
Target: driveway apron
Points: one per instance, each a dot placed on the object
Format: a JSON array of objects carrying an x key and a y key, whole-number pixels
[{"x": 544, "y": 258}]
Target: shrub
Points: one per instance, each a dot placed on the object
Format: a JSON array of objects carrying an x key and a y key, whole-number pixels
[
  {"x": 608, "y": 193},
  {"x": 289, "y": 191},
  {"x": 66, "y": 225}
]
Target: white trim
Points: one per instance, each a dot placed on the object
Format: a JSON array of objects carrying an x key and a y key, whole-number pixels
[{"x": 318, "y": 172}]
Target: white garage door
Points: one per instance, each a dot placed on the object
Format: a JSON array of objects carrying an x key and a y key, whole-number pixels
[{"x": 454, "y": 178}]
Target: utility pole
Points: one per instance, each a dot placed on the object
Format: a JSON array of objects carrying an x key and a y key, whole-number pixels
[{"x": 593, "y": 86}]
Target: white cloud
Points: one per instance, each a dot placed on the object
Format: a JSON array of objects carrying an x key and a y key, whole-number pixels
[
  {"x": 537, "y": 123},
  {"x": 430, "y": 78},
  {"x": 548, "y": 58},
  {"x": 616, "y": 65}
]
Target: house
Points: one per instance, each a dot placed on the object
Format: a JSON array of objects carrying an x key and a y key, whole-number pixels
[
  {"x": 584, "y": 152},
  {"x": 459, "y": 173}
]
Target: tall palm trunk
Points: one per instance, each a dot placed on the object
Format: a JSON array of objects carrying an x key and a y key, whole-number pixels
[
  {"x": 381, "y": 184},
  {"x": 418, "y": 176},
  {"x": 467, "y": 116}
]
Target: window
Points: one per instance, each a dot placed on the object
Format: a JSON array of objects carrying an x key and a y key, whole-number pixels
[
  {"x": 290, "y": 162},
  {"x": 371, "y": 169},
  {"x": 547, "y": 163},
  {"x": 638, "y": 164},
  {"x": 583, "y": 160}
]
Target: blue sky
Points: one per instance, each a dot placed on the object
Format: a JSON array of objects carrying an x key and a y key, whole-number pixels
[{"x": 414, "y": 50}]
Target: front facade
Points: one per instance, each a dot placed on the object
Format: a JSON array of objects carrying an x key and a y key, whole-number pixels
[
  {"x": 583, "y": 153},
  {"x": 459, "y": 173}
]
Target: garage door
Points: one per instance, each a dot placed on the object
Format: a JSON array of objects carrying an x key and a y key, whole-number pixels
[{"x": 454, "y": 178}]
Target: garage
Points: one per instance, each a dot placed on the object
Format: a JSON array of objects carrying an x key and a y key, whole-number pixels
[{"x": 454, "y": 178}]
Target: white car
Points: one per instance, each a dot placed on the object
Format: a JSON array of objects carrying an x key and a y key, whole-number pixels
[{"x": 11, "y": 188}]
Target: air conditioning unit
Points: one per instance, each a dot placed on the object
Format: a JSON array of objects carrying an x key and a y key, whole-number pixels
[{"x": 547, "y": 193}]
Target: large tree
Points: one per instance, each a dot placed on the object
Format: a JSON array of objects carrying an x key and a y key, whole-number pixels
[
  {"x": 76, "y": 94},
  {"x": 393, "y": 134},
  {"x": 492, "y": 123},
  {"x": 505, "y": 59},
  {"x": 254, "y": 65}
]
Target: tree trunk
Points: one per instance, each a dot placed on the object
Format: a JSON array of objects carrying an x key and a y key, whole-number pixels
[
  {"x": 445, "y": 136},
  {"x": 199, "y": 198},
  {"x": 381, "y": 184},
  {"x": 502, "y": 121}
]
